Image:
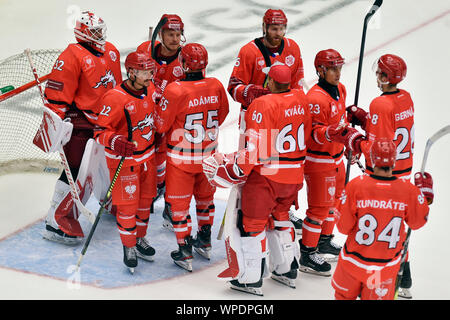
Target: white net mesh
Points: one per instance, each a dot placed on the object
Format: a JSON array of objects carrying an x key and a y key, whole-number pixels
[{"x": 20, "y": 115}]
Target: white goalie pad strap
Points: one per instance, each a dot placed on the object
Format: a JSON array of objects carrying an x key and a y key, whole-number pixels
[
  {"x": 283, "y": 250},
  {"x": 53, "y": 132},
  {"x": 250, "y": 259}
]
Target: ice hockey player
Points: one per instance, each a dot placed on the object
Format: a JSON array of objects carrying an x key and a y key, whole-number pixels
[
  {"x": 127, "y": 130},
  {"x": 190, "y": 113},
  {"x": 83, "y": 72},
  {"x": 168, "y": 69},
  {"x": 390, "y": 115},
  {"x": 324, "y": 166},
  {"x": 271, "y": 168},
  {"x": 373, "y": 210},
  {"x": 247, "y": 81}
]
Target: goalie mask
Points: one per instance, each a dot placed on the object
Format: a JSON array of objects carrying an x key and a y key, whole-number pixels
[{"x": 91, "y": 29}]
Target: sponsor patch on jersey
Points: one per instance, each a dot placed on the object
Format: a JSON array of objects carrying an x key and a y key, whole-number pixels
[
  {"x": 55, "y": 85},
  {"x": 177, "y": 71},
  {"x": 131, "y": 107},
  {"x": 129, "y": 187},
  {"x": 260, "y": 63},
  {"x": 289, "y": 60},
  {"x": 113, "y": 55}
]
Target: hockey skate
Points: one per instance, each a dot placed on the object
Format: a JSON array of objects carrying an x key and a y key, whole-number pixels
[
  {"x": 312, "y": 262},
  {"x": 202, "y": 243},
  {"x": 183, "y": 256},
  {"x": 287, "y": 278},
  {"x": 297, "y": 222},
  {"x": 328, "y": 249},
  {"x": 406, "y": 283},
  {"x": 57, "y": 235},
  {"x": 130, "y": 258},
  {"x": 144, "y": 250},
  {"x": 252, "y": 288},
  {"x": 167, "y": 218}
]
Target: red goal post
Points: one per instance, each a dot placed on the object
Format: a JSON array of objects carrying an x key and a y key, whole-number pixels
[{"x": 21, "y": 113}]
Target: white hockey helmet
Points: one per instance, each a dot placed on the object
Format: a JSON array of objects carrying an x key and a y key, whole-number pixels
[{"x": 91, "y": 29}]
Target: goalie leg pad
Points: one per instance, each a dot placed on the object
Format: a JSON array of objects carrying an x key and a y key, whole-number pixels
[
  {"x": 283, "y": 249},
  {"x": 61, "y": 212},
  {"x": 252, "y": 259}
]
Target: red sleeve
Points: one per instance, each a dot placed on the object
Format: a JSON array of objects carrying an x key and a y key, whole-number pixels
[
  {"x": 379, "y": 124},
  {"x": 166, "y": 110},
  {"x": 241, "y": 75},
  {"x": 320, "y": 113},
  {"x": 63, "y": 82},
  {"x": 111, "y": 120},
  {"x": 346, "y": 208},
  {"x": 417, "y": 212}
]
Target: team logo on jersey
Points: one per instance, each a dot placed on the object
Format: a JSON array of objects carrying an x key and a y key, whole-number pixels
[
  {"x": 289, "y": 60},
  {"x": 131, "y": 108},
  {"x": 143, "y": 125},
  {"x": 177, "y": 71},
  {"x": 113, "y": 56},
  {"x": 107, "y": 78}
]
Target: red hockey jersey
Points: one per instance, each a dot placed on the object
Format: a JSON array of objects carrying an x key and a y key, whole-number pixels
[
  {"x": 392, "y": 116},
  {"x": 372, "y": 211},
  {"x": 80, "y": 77},
  {"x": 323, "y": 154},
  {"x": 278, "y": 126},
  {"x": 116, "y": 106},
  {"x": 190, "y": 113},
  {"x": 250, "y": 62}
]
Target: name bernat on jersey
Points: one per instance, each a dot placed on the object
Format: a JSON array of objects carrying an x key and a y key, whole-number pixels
[
  {"x": 404, "y": 115},
  {"x": 203, "y": 100},
  {"x": 294, "y": 111}
]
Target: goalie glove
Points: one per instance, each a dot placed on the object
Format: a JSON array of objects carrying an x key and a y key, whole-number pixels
[
  {"x": 425, "y": 184},
  {"x": 221, "y": 171},
  {"x": 53, "y": 132}
]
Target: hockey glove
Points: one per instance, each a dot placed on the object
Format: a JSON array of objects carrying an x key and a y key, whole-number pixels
[
  {"x": 425, "y": 184},
  {"x": 160, "y": 85},
  {"x": 357, "y": 116},
  {"x": 221, "y": 172},
  {"x": 253, "y": 91},
  {"x": 335, "y": 132},
  {"x": 122, "y": 146}
]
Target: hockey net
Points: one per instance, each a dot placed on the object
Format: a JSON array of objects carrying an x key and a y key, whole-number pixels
[{"x": 21, "y": 115}]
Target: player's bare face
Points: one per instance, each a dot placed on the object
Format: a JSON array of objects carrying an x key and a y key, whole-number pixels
[
  {"x": 171, "y": 40},
  {"x": 143, "y": 78},
  {"x": 274, "y": 35},
  {"x": 333, "y": 75}
]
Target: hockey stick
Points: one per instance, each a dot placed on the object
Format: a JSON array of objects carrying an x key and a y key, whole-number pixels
[
  {"x": 23, "y": 88},
  {"x": 107, "y": 197},
  {"x": 155, "y": 34},
  {"x": 376, "y": 5},
  {"x": 72, "y": 184},
  {"x": 439, "y": 134}
]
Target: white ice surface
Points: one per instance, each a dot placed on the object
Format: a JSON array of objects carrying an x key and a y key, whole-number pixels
[{"x": 416, "y": 30}]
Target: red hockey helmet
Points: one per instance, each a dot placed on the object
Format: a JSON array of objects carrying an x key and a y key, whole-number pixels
[
  {"x": 328, "y": 58},
  {"x": 90, "y": 29},
  {"x": 274, "y": 17},
  {"x": 195, "y": 56},
  {"x": 174, "y": 22},
  {"x": 383, "y": 153},
  {"x": 139, "y": 61},
  {"x": 392, "y": 66}
]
